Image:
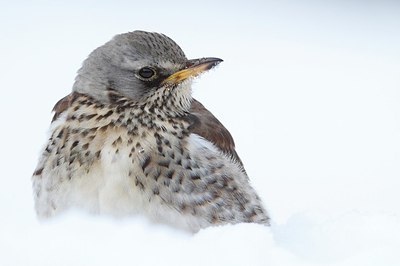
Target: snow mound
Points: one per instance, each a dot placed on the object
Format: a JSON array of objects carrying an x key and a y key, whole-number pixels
[{"x": 352, "y": 238}]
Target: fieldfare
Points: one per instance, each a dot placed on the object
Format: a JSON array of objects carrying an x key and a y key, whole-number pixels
[{"x": 130, "y": 139}]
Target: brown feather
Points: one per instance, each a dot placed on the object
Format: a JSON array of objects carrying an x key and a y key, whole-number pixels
[
  {"x": 205, "y": 124},
  {"x": 63, "y": 104}
]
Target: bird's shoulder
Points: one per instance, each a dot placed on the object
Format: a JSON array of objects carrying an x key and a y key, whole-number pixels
[
  {"x": 206, "y": 125},
  {"x": 64, "y": 103}
]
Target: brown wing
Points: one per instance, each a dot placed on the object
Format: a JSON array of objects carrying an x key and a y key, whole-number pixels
[
  {"x": 63, "y": 104},
  {"x": 205, "y": 124}
]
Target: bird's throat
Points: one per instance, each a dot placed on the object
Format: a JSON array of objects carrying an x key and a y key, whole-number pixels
[{"x": 171, "y": 101}]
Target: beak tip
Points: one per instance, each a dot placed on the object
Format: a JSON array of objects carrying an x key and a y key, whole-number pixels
[
  {"x": 214, "y": 61},
  {"x": 218, "y": 60}
]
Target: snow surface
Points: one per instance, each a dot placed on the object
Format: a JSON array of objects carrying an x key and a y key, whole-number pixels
[{"x": 310, "y": 90}]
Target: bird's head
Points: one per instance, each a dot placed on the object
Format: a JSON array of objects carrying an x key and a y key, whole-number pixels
[{"x": 147, "y": 68}]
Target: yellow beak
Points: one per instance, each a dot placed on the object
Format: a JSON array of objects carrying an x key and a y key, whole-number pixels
[{"x": 192, "y": 69}]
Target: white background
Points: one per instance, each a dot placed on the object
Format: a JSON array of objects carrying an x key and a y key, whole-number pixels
[{"x": 309, "y": 89}]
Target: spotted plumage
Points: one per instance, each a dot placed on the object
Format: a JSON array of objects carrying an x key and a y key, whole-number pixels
[{"x": 125, "y": 142}]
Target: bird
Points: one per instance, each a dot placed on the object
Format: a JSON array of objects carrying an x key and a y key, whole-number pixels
[{"x": 130, "y": 140}]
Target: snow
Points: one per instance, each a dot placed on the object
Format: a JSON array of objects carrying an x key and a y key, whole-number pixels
[
  {"x": 353, "y": 238},
  {"x": 310, "y": 91}
]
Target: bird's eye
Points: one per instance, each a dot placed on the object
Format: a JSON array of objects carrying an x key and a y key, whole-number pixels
[{"x": 146, "y": 73}]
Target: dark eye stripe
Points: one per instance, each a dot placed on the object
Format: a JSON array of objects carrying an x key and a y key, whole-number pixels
[{"x": 146, "y": 73}]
